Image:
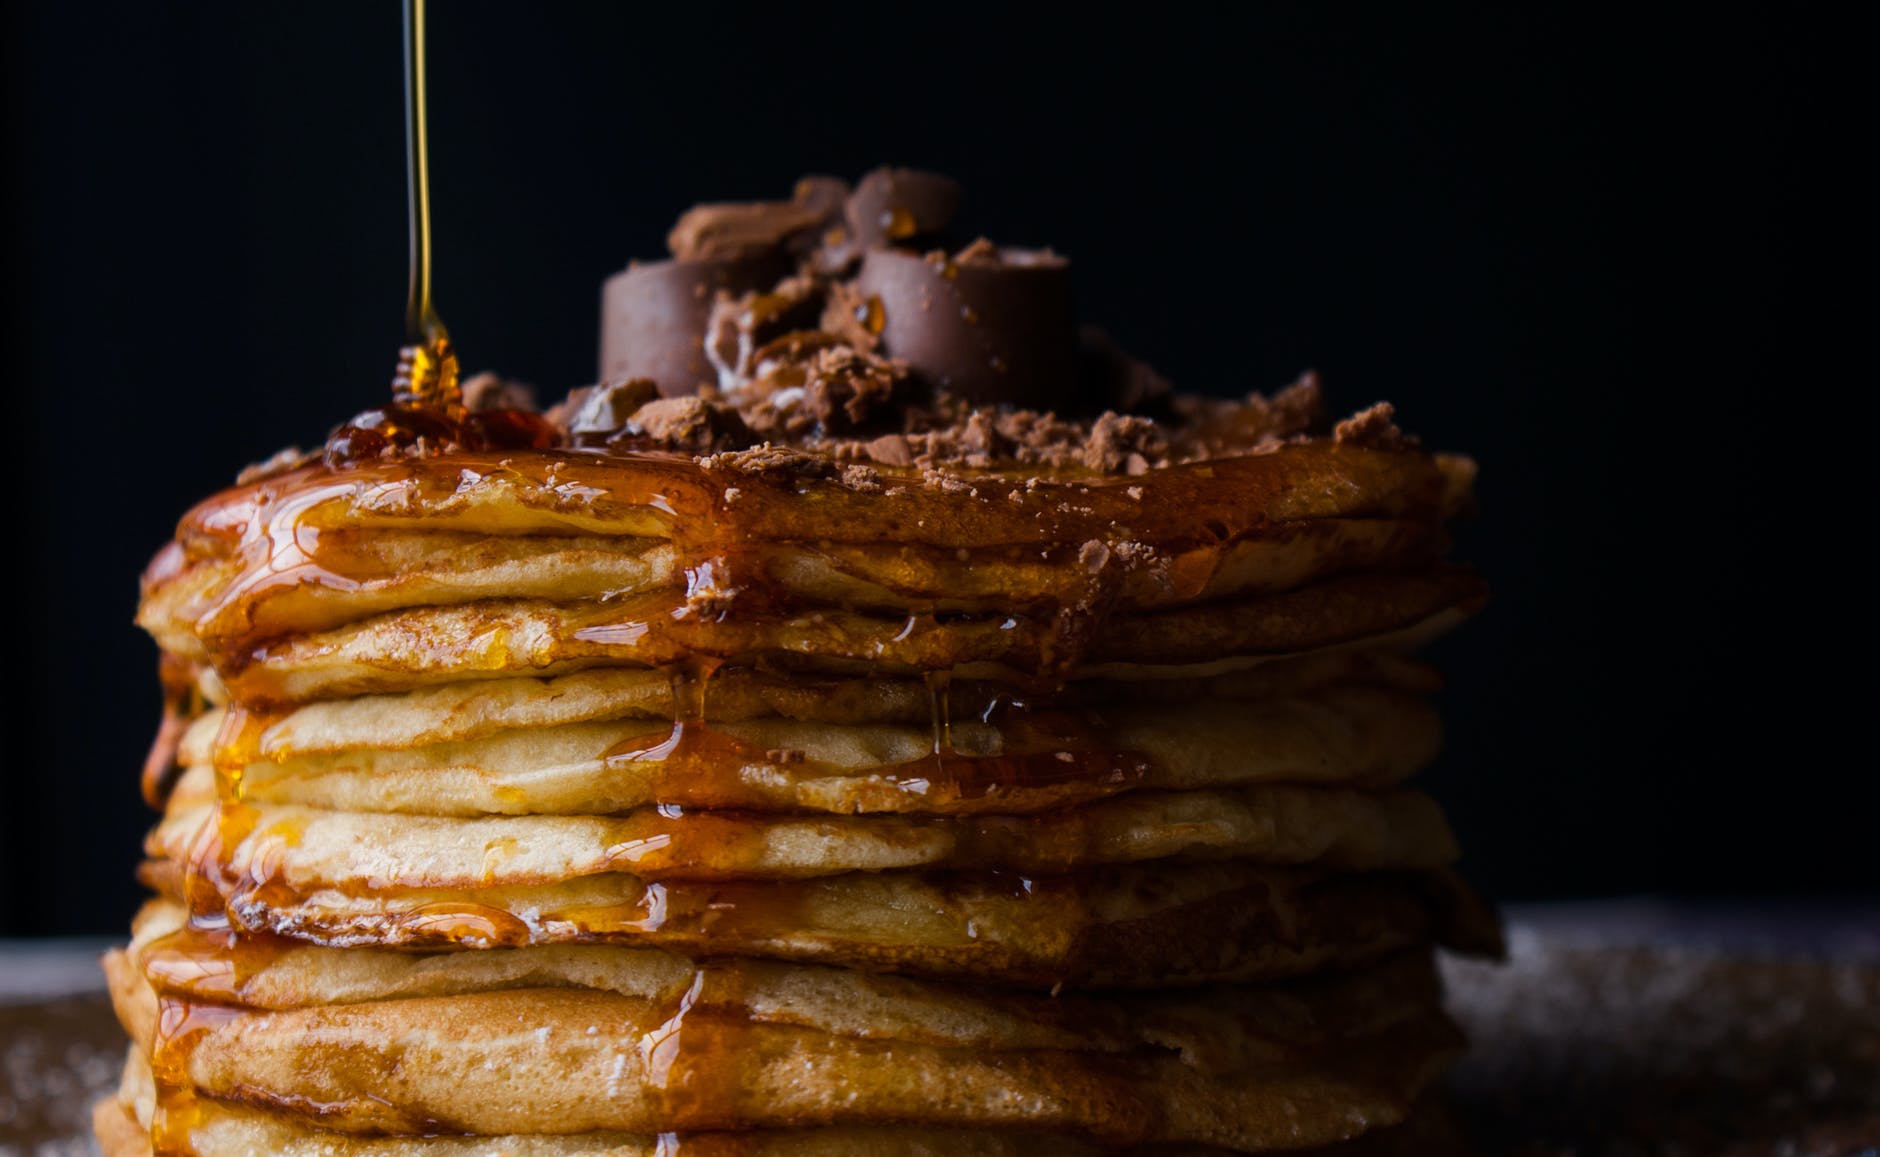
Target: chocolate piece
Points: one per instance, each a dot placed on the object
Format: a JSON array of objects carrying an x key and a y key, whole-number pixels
[
  {"x": 689, "y": 425},
  {"x": 738, "y": 230},
  {"x": 747, "y": 230},
  {"x": 605, "y": 408},
  {"x": 1375, "y": 427},
  {"x": 990, "y": 325},
  {"x": 851, "y": 317},
  {"x": 826, "y": 196},
  {"x": 486, "y": 391},
  {"x": 847, "y": 389},
  {"x": 653, "y": 316},
  {"x": 1123, "y": 442},
  {"x": 901, "y": 207},
  {"x": 738, "y": 328}
]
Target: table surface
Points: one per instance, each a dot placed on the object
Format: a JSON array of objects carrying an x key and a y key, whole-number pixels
[{"x": 1632, "y": 1028}]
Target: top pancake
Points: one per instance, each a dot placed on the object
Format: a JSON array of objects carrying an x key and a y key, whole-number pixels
[{"x": 326, "y": 582}]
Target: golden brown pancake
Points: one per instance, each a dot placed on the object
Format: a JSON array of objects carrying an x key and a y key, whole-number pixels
[
  {"x": 725, "y": 775},
  {"x": 639, "y": 1041}
]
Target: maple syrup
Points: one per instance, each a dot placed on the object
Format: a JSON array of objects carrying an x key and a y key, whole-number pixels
[
  {"x": 426, "y": 377},
  {"x": 427, "y": 415}
]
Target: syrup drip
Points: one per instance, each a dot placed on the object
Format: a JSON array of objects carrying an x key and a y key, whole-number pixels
[
  {"x": 426, "y": 377},
  {"x": 210, "y": 964},
  {"x": 182, "y": 703},
  {"x": 181, "y": 1026},
  {"x": 427, "y": 415},
  {"x": 212, "y": 889},
  {"x": 939, "y": 698},
  {"x": 692, "y": 1057}
]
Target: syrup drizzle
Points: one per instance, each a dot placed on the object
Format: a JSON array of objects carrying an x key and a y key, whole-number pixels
[
  {"x": 427, "y": 415},
  {"x": 426, "y": 376}
]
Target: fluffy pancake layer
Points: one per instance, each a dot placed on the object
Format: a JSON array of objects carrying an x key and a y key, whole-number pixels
[
  {"x": 557, "y": 802},
  {"x": 577, "y": 1040}
]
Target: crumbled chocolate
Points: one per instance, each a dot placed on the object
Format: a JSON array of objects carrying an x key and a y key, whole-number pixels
[
  {"x": 864, "y": 478},
  {"x": 1374, "y": 427},
  {"x": 870, "y": 344},
  {"x": 740, "y": 326},
  {"x": 687, "y": 425},
  {"x": 771, "y": 461},
  {"x": 852, "y": 317},
  {"x": 889, "y": 450},
  {"x": 1116, "y": 438},
  {"x": 846, "y": 388},
  {"x": 605, "y": 408},
  {"x": 486, "y": 392}
]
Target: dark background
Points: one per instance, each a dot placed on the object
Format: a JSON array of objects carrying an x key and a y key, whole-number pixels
[{"x": 1567, "y": 244}]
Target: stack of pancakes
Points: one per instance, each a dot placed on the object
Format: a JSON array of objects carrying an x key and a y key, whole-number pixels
[{"x": 601, "y": 799}]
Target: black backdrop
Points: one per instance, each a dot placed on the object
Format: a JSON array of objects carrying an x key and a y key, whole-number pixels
[{"x": 1565, "y": 244}]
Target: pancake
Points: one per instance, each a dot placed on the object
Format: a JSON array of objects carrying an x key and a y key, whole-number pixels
[
  {"x": 497, "y": 638},
  {"x": 1348, "y": 734},
  {"x": 374, "y": 571},
  {"x": 217, "y": 1129},
  {"x": 281, "y": 541},
  {"x": 1126, "y": 926},
  {"x": 843, "y": 758},
  {"x": 788, "y": 1045}
]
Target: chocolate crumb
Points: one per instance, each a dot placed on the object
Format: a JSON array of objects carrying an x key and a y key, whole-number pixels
[
  {"x": 771, "y": 461},
  {"x": 1374, "y": 427},
  {"x": 688, "y": 424},
  {"x": 890, "y": 450},
  {"x": 486, "y": 391},
  {"x": 852, "y": 317},
  {"x": 944, "y": 482},
  {"x": 863, "y": 478},
  {"x": 846, "y": 388},
  {"x": 1116, "y": 438},
  {"x": 848, "y": 325},
  {"x": 604, "y": 408}
]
